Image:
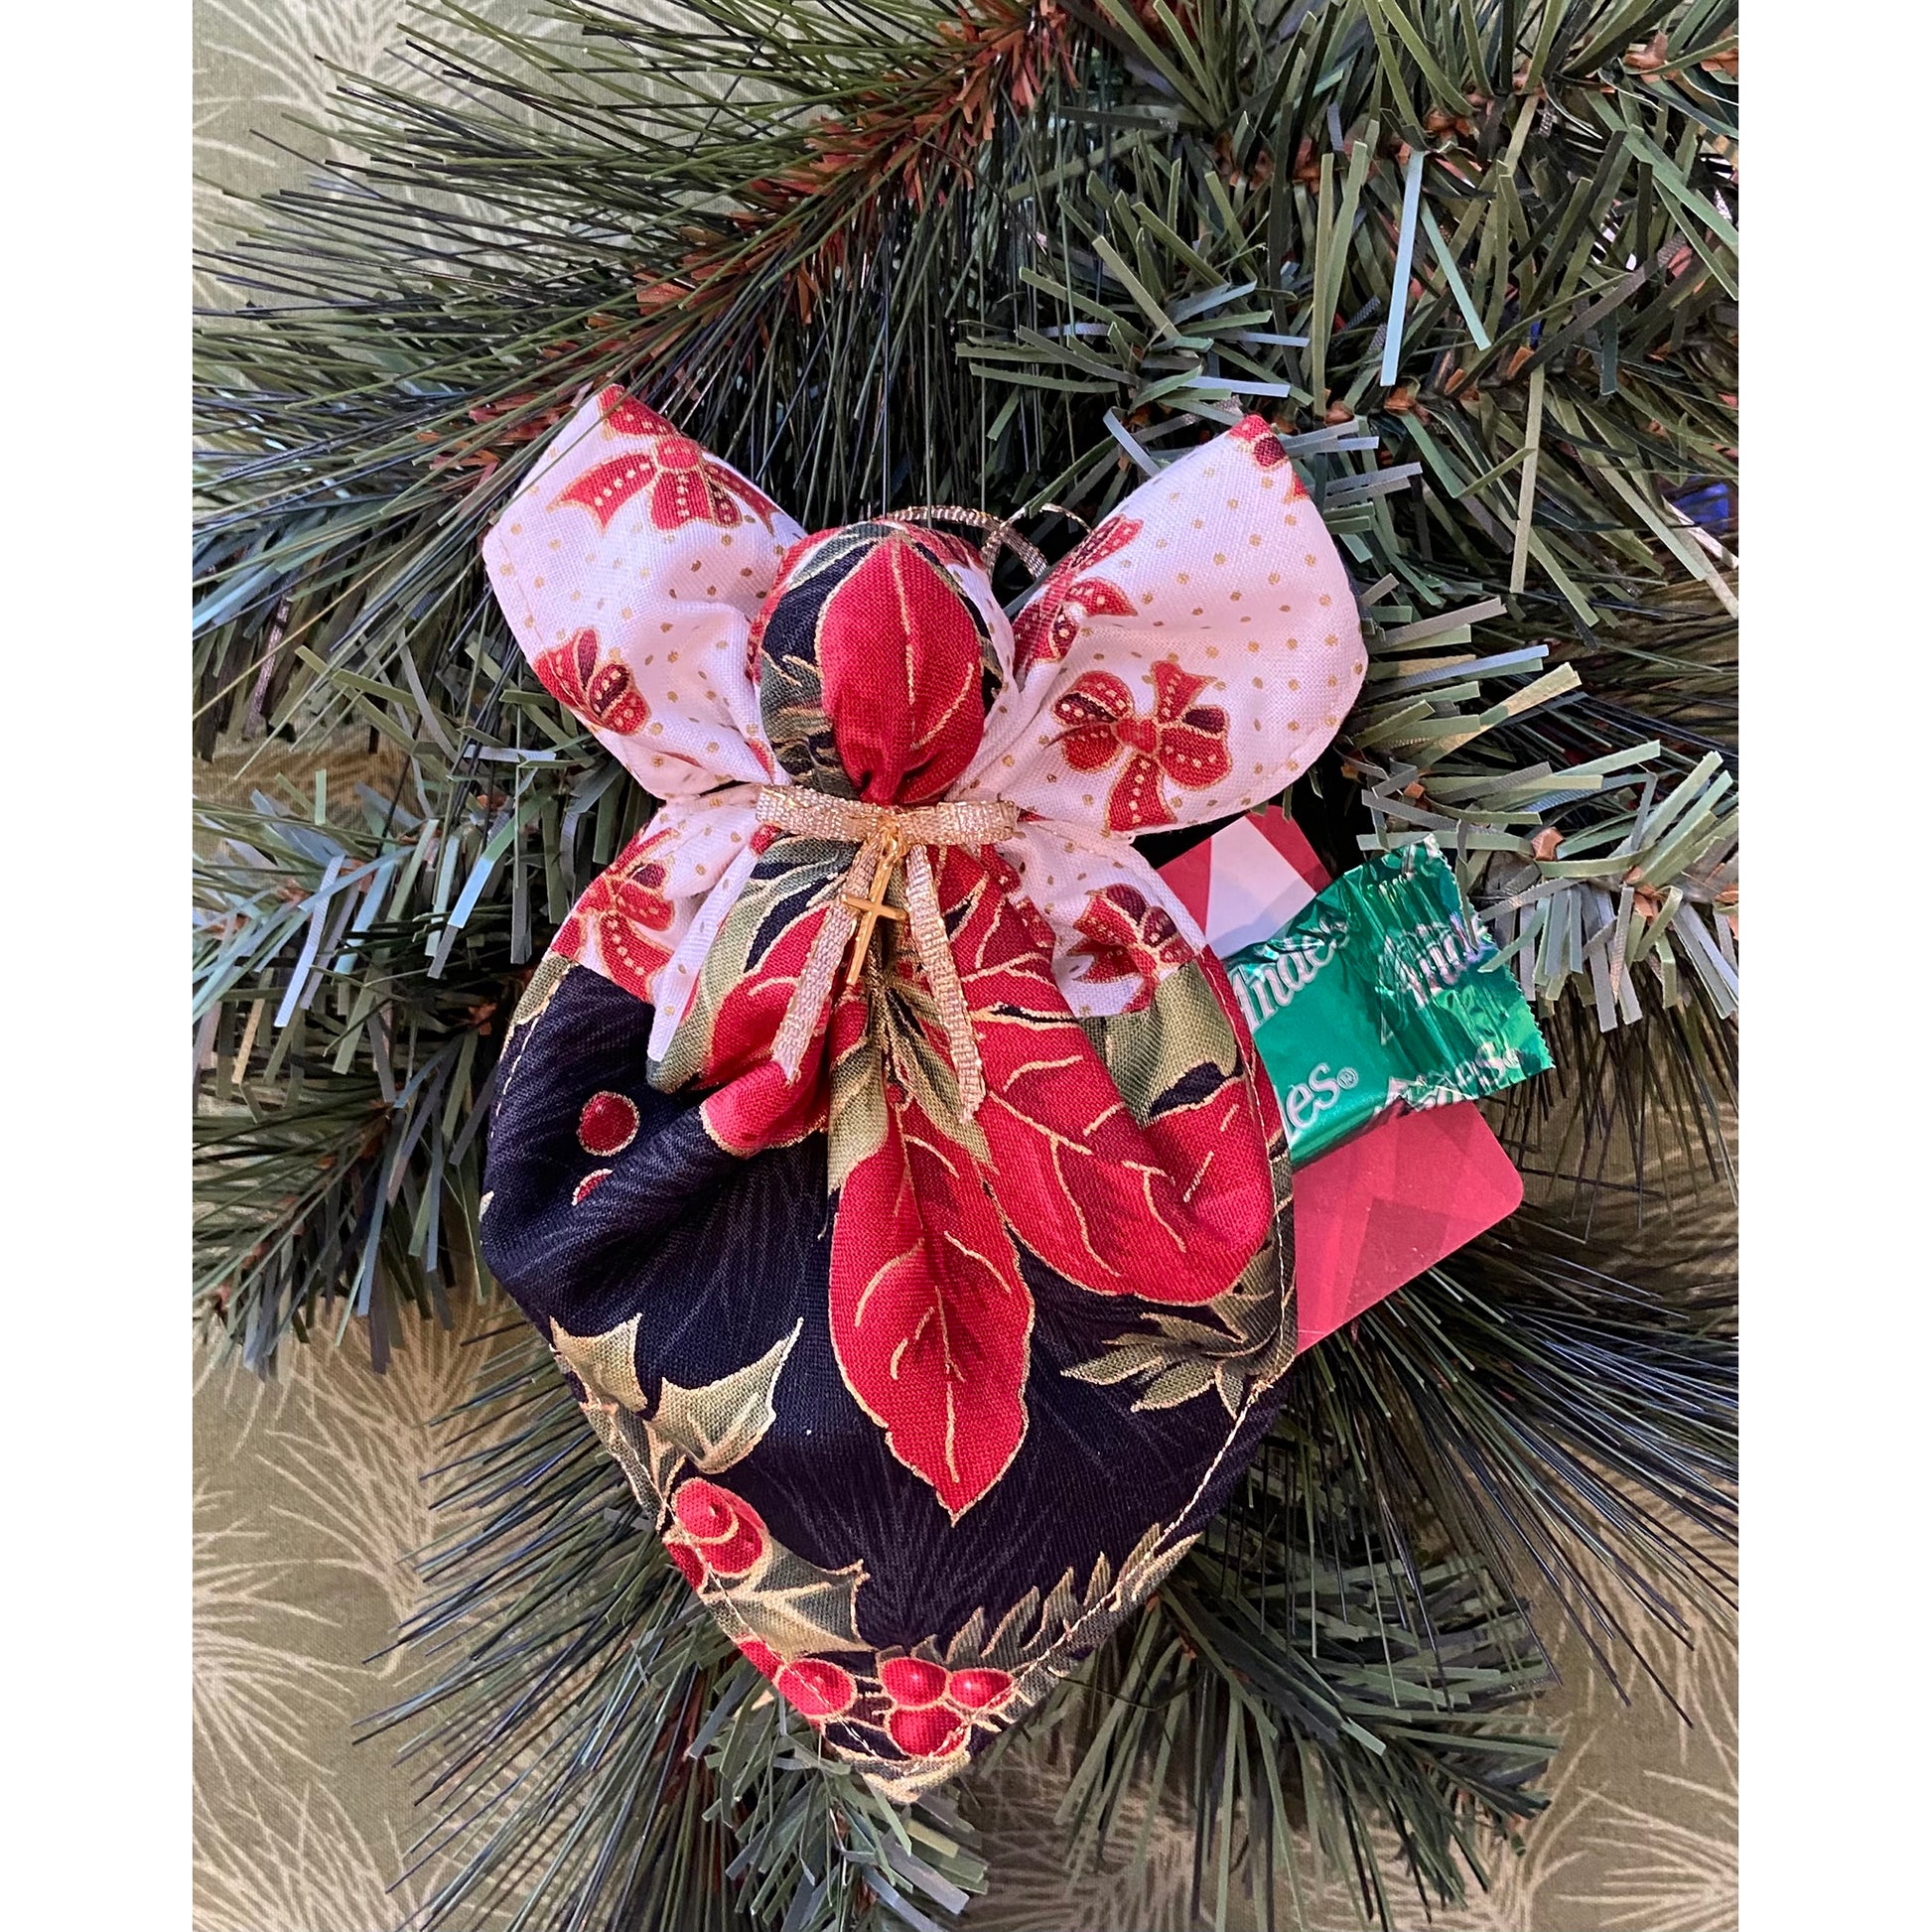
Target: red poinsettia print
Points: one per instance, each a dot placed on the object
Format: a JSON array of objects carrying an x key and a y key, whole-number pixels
[
  {"x": 752, "y": 1105},
  {"x": 1126, "y": 936},
  {"x": 601, "y": 691},
  {"x": 931, "y": 1318},
  {"x": 723, "y": 1531},
  {"x": 1182, "y": 743},
  {"x": 1044, "y": 633},
  {"x": 931, "y": 1321},
  {"x": 684, "y": 482},
  {"x": 624, "y": 905},
  {"x": 899, "y": 659},
  {"x": 1257, "y": 435},
  {"x": 1171, "y": 1209},
  {"x": 871, "y": 661}
]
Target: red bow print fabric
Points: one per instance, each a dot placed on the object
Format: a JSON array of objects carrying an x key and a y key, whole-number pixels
[
  {"x": 1189, "y": 658},
  {"x": 1183, "y": 744},
  {"x": 1051, "y": 621}
]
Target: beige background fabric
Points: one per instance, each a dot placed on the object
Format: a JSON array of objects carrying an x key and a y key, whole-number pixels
[{"x": 310, "y": 1497}]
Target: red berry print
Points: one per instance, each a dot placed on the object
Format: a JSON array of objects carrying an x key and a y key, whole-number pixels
[
  {"x": 727, "y": 1533},
  {"x": 979, "y": 1690},
  {"x": 816, "y": 1688},
  {"x": 589, "y": 1185},
  {"x": 911, "y": 1683},
  {"x": 925, "y": 1734},
  {"x": 608, "y": 1125}
]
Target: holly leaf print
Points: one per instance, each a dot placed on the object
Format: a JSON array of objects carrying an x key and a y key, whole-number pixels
[
  {"x": 797, "y": 1608},
  {"x": 721, "y": 1423},
  {"x": 549, "y": 975},
  {"x": 649, "y": 1462},
  {"x": 605, "y": 1363},
  {"x": 1177, "y": 1048}
]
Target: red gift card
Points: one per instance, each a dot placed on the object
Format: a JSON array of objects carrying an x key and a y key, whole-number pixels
[{"x": 1377, "y": 1210}]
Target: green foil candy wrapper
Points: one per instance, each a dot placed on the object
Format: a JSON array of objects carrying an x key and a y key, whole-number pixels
[{"x": 1383, "y": 991}]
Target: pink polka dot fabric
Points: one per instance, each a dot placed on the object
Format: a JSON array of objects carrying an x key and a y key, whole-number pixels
[{"x": 1189, "y": 658}]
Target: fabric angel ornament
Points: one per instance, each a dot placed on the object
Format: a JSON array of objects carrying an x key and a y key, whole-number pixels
[{"x": 879, "y": 1147}]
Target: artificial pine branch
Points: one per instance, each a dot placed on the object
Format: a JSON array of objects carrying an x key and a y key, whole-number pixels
[
  {"x": 1015, "y": 256},
  {"x": 359, "y": 440}
]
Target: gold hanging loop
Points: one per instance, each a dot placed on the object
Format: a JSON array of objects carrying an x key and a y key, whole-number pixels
[{"x": 999, "y": 531}]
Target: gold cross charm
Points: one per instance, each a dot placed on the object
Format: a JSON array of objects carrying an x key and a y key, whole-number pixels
[{"x": 874, "y": 909}]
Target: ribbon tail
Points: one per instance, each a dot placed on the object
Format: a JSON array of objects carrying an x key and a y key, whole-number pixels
[
  {"x": 930, "y": 938},
  {"x": 806, "y": 1007}
]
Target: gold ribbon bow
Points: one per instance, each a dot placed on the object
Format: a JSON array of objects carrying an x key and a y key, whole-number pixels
[{"x": 889, "y": 836}]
